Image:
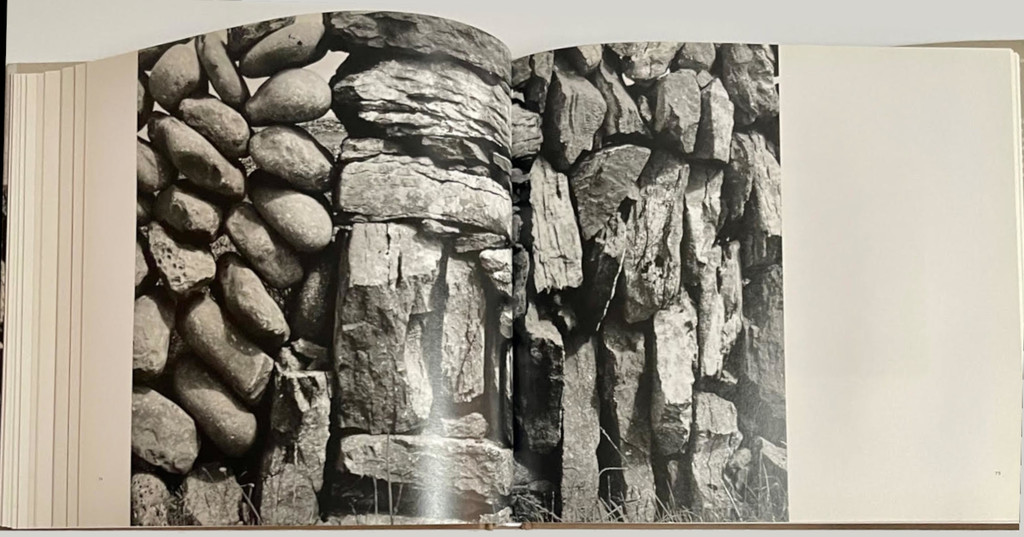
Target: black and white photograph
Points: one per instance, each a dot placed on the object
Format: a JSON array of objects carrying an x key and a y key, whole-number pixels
[
  {"x": 387, "y": 275},
  {"x": 649, "y": 374}
]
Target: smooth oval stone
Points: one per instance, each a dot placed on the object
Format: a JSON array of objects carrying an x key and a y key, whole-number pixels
[
  {"x": 222, "y": 125},
  {"x": 291, "y": 96},
  {"x": 293, "y": 155},
  {"x": 188, "y": 214},
  {"x": 249, "y": 303},
  {"x": 152, "y": 170},
  {"x": 236, "y": 359},
  {"x": 151, "y": 500},
  {"x": 295, "y": 45},
  {"x": 141, "y": 265},
  {"x": 312, "y": 313},
  {"x": 220, "y": 415},
  {"x": 196, "y": 157},
  {"x": 176, "y": 75},
  {"x": 185, "y": 268},
  {"x": 221, "y": 71},
  {"x": 144, "y": 104},
  {"x": 242, "y": 38},
  {"x": 297, "y": 217},
  {"x": 162, "y": 433},
  {"x": 265, "y": 250},
  {"x": 143, "y": 210},
  {"x": 154, "y": 320}
]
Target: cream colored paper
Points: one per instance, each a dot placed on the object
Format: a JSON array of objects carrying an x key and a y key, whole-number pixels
[{"x": 902, "y": 293}]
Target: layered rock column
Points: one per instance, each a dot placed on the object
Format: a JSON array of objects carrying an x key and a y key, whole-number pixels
[{"x": 647, "y": 216}]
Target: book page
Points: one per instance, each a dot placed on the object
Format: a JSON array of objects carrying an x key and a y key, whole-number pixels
[
  {"x": 322, "y": 275},
  {"x": 649, "y": 364}
]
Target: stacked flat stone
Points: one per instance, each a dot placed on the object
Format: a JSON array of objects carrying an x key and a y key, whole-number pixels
[
  {"x": 319, "y": 260},
  {"x": 647, "y": 280}
]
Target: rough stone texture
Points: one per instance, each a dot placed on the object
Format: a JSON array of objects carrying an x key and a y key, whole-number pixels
[
  {"x": 763, "y": 379},
  {"x": 162, "y": 433},
  {"x": 527, "y": 137},
  {"x": 184, "y": 268},
  {"x": 222, "y": 125},
  {"x": 716, "y": 438},
  {"x": 187, "y": 213},
  {"x": 290, "y": 96},
  {"x": 312, "y": 314},
  {"x": 293, "y": 155},
  {"x": 653, "y": 270},
  {"x": 497, "y": 265},
  {"x": 468, "y": 466},
  {"x": 176, "y": 75},
  {"x": 423, "y": 98},
  {"x": 714, "y": 134},
  {"x": 585, "y": 58},
  {"x": 292, "y": 471},
  {"x": 196, "y": 157},
  {"x": 151, "y": 501},
  {"x": 645, "y": 60},
  {"x": 622, "y": 116},
  {"x": 720, "y": 309},
  {"x": 574, "y": 112},
  {"x": 703, "y": 213},
  {"x": 581, "y": 433},
  {"x": 153, "y": 170},
  {"x": 294, "y": 45},
  {"x": 462, "y": 341},
  {"x": 539, "y": 383},
  {"x": 141, "y": 265},
  {"x": 625, "y": 395},
  {"x": 143, "y": 209},
  {"x": 239, "y": 362},
  {"x": 221, "y": 416},
  {"x": 674, "y": 353},
  {"x": 677, "y": 110},
  {"x": 248, "y": 301},
  {"x": 242, "y": 38},
  {"x": 299, "y": 218},
  {"x": 154, "y": 320},
  {"x": 389, "y": 187},
  {"x": 469, "y": 426},
  {"x": 533, "y": 75},
  {"x": 210, "y": 496},
  {"x": 695, "y": 56},
  {"x": 603, "y": 258},
  {"x": 748, "y": 72},
  {"x": 221, "y": 71},
  {"x": 604, "y": 180},
  {"x": 389, "y": 271},
  {"x": 265, "y": 250},
  {"x": 762, "y": 244},
  {"x": 429, "y": 36},
  {"x": 774, "y": 460},
  {"x": 520, "y": 280},
  {"x": 557, "y": 253}
]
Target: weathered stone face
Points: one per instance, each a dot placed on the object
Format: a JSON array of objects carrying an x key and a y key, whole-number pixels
[
  {"x": 748, "y": 72},
  {"x": 151, "y": 501},
  {"x": 556, "y": 240},
  {"x": 162, "y": 433},
  {"x": 603, "y": 182},
  {"x": 539, "y": 365},
  {"x": 210, "y": 496},
  {"x": 645, "y": 60},
  {"x": 386, "y": 271},
  {"x": 478, "y": 468},
  {"x": 574, "y": 112},
  {"x": 292, "y": 471},
  {"x": 581, "y": 433},
  {"x": 716, "y": 438}
]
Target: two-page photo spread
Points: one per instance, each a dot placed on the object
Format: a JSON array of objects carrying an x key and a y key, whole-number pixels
[{"x": 384, "y": 274}]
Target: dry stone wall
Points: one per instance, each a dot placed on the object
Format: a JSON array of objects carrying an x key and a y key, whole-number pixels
[
  {"x": 324, "y": 275},
  {"x": 647, "y": 284}
]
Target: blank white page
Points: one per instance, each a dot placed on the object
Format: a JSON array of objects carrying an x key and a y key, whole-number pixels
[{"x": 902, "y": 289}]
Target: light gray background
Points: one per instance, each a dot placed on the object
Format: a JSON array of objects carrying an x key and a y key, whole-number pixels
[
  {"x": 69, "y": 30},
  {"x": 66, "y": 30}
]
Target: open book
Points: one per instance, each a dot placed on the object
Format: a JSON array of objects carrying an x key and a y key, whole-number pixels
[{"x": 380, "y": 272}]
